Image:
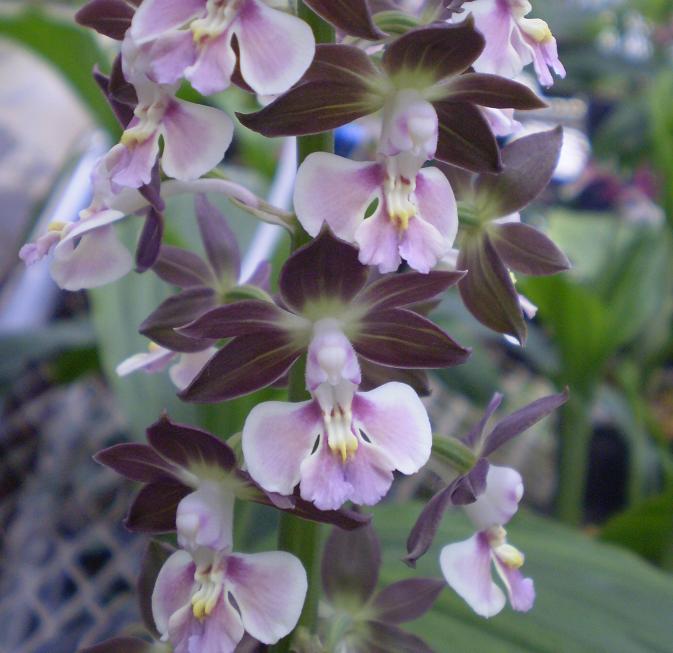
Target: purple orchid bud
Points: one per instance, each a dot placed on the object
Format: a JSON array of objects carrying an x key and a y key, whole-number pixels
[
  {"x": 416, "y": 218},
  {"x": 342, "y": 445},
  {"x": 514, "y": 41},
  {"x": 191, "y": 604},
  {"x": 274, "y": 48},
  {"x": 466, "y": 565}
]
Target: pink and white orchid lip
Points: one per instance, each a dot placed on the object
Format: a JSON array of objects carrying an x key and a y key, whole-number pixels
[
  {"x": 343, "y": 444},
  {"x": 416, "y": 218},
  {"x": 193, "y": 38},
  {"x": 192, "y": 607}
]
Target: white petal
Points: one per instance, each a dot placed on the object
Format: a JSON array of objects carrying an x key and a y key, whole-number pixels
[
  {"x": 467, "y": 569},
  {"x": 333, "y": 190},
  {"x": 422, "y": 246},
  {"x": 275, "y": 48},
  {"x": 396, "y": 421},
  {"x": 436, "y": 202},
  {"x": 148, "y": 361},
  {"x": 500, "y": 501},
  {"x": 98, "y": 258},
  {"x": 277, "y": 436},
  {"x": 378, "y": 240},
  {"x": 195, "y": 139},
  {"x": 189, "y": 365},
  {"x": 212, "y": 70},
  {"x": 269, "y": 589},
  {"x": 173, "y": 589}
]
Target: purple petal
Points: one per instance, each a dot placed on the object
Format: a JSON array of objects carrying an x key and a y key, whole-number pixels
[
  {"x": 500, "y": 501},
  {"x": 350, "y": 564},
  {"x": 218, "y": 239},
  {"x": 275, "y": 48},
  {"x": 333, "y": 190},
  {"x": 212, "y": 70},
  {"x": 182, "y": 268},
  {"x": 378, "y": 240},
  {"x": 153, "y": 509},
  {"x": 473, "y": 438},
  {"x": 277, "y": 437},
  {"x": 520, "y": 590},
  {"x": 149, "y": 243},
  {"x": 205, "y": 518},
  {"x": 467, "y": 488},
  {"x": 467, "y": 569},
  {"x": 396, "y": 421},
  {"x": 133, "y": 168},
  {"x": 173, "y": 589},
  {"x": 137, "y": 462},
  {"x": 269, "y": 589},
  {"x": 170, "y": 56},
  {"x": 195, "y": 139},
  {"x": 406, "y": 600},
  {"x": 154, "y": 17}
]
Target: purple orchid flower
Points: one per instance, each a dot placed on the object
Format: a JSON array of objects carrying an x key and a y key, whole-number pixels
[
  {"x": 416, "y": 218},
  {"x": 466, "y": 565},
  {"x": 195, "y": 136},
  {"x": 514, "y": 41},
  {"x": 191, "y": 602},
  {"x": 343, "y": 444},
  {"x": 469, "y": 456},
  {"x": 193, "y": 39}
]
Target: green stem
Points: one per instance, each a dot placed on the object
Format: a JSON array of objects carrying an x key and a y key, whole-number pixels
[
  {"x": 299, "y": 537},
  {"x": 574, "y": 457}
]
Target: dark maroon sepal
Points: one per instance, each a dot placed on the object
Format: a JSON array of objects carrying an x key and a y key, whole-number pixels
[
  {"x": 527, "y": 250},
  {"x": 155, "y": 556},
  {"x": 120, "y": 645},
  {"x": 186, "y": 446},
  {"x": 218, "y": 239},
  {"x": 438, "y": 50},
  {"x": 397, "y": 290},
  {"x": 474, "y": 436},
  {"x": 388, "y": 638},
  {"x": 528, "y": 166},
  {"x": 522, "y": 420},
  {"x": 177, "y": 311},
  {"x": 182, "y": 268},
  {"x": 350, "y": 16},
  {"x": 120, "y": 89},
  {"x": 108, "y": 17},
  {"x": 123, "y": 112},
  {"x": 243, "y": 365},
  {"x": 401, "y": 338},
  {"x": 137, "y": 462},
  {"x": 487, "y": 289},
  {"x": 492, "y": 91},
  {"x": 149, "y": 243},
  {"x": 153, "y": 510},
  {"x": 465, "y": 138},
  {"x": 407, "y": 599},
  {"x": 350, "y": 564},
  {"x": 468, "y": 487},
  {"x": 325, "y": 268},
  {"x": 246, "y": 317}
]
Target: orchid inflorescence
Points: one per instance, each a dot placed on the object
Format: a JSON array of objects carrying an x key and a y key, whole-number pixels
[{"x": 377, "y": 243}]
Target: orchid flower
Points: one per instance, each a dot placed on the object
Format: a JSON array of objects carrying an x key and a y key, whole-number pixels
[
  {"x": 193, "y": 39},
  {"x": 469, "y": 455},
  {"x": 466, "y": 565},
  {"x": 513, "y": 41},
  {"x": 192, "y": 598},
  {"x": 158, "y": 358},
  {"x": 321, "y": 281},
  {"x": 416, "y": 217},
  {"x": 343, "y": 444},
  {"x": 195, "y": 136}
]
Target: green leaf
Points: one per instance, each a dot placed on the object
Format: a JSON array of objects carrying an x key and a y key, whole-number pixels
[
  {"x": 72, "y": 50},
  {"x": 591, "y": 596},
  {"x": 646, "y": 528}
]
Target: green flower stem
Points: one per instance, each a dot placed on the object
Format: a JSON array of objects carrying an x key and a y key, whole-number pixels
[
  {"x": 574, "y": 457},
  {"x": 454, "y": 452},
  {"x": 299, "y": 537}
]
